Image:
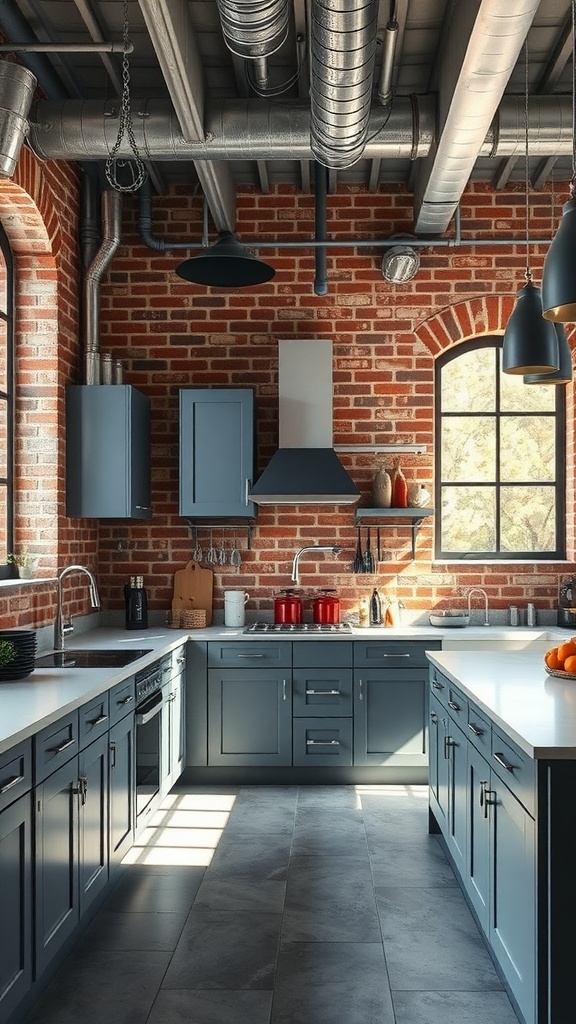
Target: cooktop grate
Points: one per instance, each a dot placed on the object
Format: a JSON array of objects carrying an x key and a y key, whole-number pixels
[{"x": 300, "y": 627}]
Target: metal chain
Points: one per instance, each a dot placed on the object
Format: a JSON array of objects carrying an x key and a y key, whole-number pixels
[
  {"x": 526, "y": 163},
  {"x": 125, "y": 127}
]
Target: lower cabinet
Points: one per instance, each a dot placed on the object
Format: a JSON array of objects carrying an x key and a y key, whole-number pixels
[
  {"x": 390, "y": 717},
  {"x": 15, "y": 901},
  {"x": 249, "y": 716},
  {"x": 122, "y": 760},
  {"x": 173, "y": 743}
]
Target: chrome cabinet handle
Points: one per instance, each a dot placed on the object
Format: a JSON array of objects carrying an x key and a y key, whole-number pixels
[
  {"x": 323, "y": 693},
  {"x": 483, "y": 785},
  {"x": 284, "y": 696},
  {"x": 113, "y": 754},
  {"x": 489, "y": 799},
  {"x": 434, "y": 718},
  {"x": 322, "y": 743},
  {"x": 250, "y": 655},
  {"x": 125, "y": 700},
  {"x": 81, "y": 788},
  {"x": 437, "y": 685},
  {"x": 180, "y": 660},
  {"x": 61, "y": 747},
  {"x": 474, "y": 728},
  {"x": 394, "y": 655},
  {"x": 11, "y": 782},
  {"x": 98, "y": 721},
  {"x": 360, "y": 690},
  {"x": 448, "y": 742},
  {"x": 455, "y": 707},
  {"x": 503, "y": 761}
]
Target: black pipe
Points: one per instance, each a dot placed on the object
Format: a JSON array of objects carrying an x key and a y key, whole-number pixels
[{"x": 320, "y": 190}]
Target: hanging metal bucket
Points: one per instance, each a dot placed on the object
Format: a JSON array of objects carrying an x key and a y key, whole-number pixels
[{"x": 17, "y": 86}]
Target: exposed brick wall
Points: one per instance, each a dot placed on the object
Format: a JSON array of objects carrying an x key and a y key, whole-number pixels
[{"x": 172, "y": 334}]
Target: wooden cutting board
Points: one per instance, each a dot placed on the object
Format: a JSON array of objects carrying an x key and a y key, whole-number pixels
[{"x": 193, "y": 588}]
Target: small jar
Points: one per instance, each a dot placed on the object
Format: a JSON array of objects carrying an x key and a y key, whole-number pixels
[
  {"x": 363, "y": 612},
  {"x": 513, "y": 615},
  {"x": 106, "y": 368}
]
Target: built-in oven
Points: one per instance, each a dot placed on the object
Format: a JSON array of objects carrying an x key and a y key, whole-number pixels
[{"x": 149, "y": 710}]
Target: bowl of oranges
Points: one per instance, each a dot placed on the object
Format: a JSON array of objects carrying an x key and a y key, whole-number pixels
[{"x": 561, "y": 661}]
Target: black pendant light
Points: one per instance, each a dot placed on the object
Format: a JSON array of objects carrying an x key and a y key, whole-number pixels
[
  {"x": 530, "y": 344},
  {"x": 558, "y": 278},
  {"x": 226, "y": 264},
  {"x": 563, "y": 375}
]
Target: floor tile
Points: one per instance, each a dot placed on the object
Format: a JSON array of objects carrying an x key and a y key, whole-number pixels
[
  {"x": 151, "y": 890},
  {"x": 113, "y": 931},
  {"x": 423, "y": 865},
  {"x": 184, "y": 1006},
  {"x": 264, "y": 809},
  {"x": 321, "y": 832},
  {"x": 453, "y": 1008},
  {"x": 100, "y": 988},
  {"x": 328, "y": 796},
  {"x": 326, "y": 982},
  {"x": 225, "y": 950},
  {"x": 330, "y": 899},
  {"x": 430, "y": 938},
  {"x": 237, "y": 893}
]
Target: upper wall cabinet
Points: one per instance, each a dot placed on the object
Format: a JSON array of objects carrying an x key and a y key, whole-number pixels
[
  {"x": 216, "y": 452},
  {"x": 107, "y": 452}
]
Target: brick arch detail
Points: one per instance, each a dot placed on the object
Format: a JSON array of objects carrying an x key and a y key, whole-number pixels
[
  {"x": 28, "y": 211},
  {"x": 471, "y": 318}
]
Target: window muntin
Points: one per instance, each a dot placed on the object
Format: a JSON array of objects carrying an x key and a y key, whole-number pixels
[
  {"x": 6, "y": 406},
  {"x": 500, "y": 456}
]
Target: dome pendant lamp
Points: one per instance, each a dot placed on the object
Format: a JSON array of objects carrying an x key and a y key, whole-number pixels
[
  {"x": 530, "y": 344},
  {"x": 563, "y": 375},
  {"x": 226, "y": 264},
  {"x": 558, "y": 278}
]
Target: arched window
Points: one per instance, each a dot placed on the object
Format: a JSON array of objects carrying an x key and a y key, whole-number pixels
[
  {"x": 500, "y": 459},
  {"x": 6, "y": 407}
]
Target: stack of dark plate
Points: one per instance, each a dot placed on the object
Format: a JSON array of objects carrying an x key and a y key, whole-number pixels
[{"x": 22, "y": 664}]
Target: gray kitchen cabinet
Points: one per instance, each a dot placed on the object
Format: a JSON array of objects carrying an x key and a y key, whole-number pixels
[
  {"x": 249, "y": 716},
  {"x": 107, "y": 452},
  {"x": 173, "y": 746},
  {"x": 93, "y": 858},
  {"x": 16, "y": 933},
  {"x": 321, "y": 741},
  {"x": 122, "y": 781},
  {"x": 216, "y": 452}
]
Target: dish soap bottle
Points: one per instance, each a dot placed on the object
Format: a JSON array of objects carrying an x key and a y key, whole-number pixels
[{"x": 375, "y": 608}]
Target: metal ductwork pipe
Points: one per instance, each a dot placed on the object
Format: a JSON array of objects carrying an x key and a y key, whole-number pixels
[
  {"x": 17, "y": 86},
  {"x": 254, "y": 28},
  {"x": 343, "y": 48},
  {"x": 111, "y": 234}
]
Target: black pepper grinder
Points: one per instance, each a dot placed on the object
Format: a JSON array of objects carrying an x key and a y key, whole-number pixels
[
  {"x": 136, "y": 601},
  {"x": 375, "y": 608}
]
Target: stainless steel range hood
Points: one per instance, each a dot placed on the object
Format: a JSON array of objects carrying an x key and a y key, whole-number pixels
[{"x": 305, "y": 470}]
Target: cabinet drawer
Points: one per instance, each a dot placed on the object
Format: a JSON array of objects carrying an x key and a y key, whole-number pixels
[
  {"x": 317, "y": 692},
  {"x": 394, "y": 653},
  {"x": 515, "y": 768},
  {"x": 94, "y": 719},
  {"x": 328, "y": 654},
  {"x": 15, "y": 773},
  {"x": 122, "y": 699},
  {"x": 246, "y": 654},
  {"x": 322, "y": 741},
  {"x": 479, "y": 731},
  {"x": 55, "y": 745},
  {"x": 457, "y": 705}
]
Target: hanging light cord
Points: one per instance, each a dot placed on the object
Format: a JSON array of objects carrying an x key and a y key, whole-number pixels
[
  {"x": 526, "y": 163},
  {"x": 125, "y": 126}
]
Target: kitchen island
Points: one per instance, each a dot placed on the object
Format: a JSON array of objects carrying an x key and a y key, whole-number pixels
[{"x": 501, "y": 782}]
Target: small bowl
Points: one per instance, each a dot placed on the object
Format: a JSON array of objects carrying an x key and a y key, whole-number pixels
[{"x": 449, "y": 619}]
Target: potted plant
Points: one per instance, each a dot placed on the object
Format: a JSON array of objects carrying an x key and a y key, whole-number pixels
[{"x": 25, "y": 563}]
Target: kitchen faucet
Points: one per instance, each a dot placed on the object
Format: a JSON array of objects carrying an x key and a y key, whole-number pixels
[
  {"x": 313, "y": 547},
  {"x": 477, "y": 590},
  {"x": 61, "y": 628}
]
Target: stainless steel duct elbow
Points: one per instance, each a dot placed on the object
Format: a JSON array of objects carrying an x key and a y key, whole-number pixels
[
  {"x": 255, "y": 29},
  {"x": 343, "y": 47}
]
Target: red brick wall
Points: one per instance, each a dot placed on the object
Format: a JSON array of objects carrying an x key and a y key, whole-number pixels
[{"x": 172, "y": 334}]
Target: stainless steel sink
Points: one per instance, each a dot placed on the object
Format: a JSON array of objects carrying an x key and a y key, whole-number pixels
[{"x": 90, "y": 658}]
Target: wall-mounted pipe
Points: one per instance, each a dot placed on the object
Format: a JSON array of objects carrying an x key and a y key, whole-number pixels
[
  {"x": 389, "y": 43},
  {"x": 320, "y": 191},
  {"x": 111, "y": 233}
]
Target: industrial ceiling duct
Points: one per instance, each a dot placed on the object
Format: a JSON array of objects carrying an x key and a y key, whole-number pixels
[
  {"x": 254, "y": 28},
  {"x": 343, "y": 46},
  {"x": 17, "y": 86},
  {"x": 226, "y": 264}
]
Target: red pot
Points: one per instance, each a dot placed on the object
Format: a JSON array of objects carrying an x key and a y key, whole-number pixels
[
  {"x": 287, "y": 608},
  {"x": 326, "y": 608}
]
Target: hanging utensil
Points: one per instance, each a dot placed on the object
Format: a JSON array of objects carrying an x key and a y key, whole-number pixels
[
  {"x": 358, "y": 559},
  {"x": 212, "y": 556},
  {"x": 235, "y": 557},
  {"x": 368, "y": 557},
  {"x": 222, "y": 556}
]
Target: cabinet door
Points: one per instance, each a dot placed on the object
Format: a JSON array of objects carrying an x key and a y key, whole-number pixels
[
  {"x": 56, "y": 867},
  {"x": 477, "y": 875},
  {"x": 122, "y": 788},
  {"x": 249, "y": 717},
  {"x": 513, "y": 905},
  {"x": 390, "y": 717},
  {"x": 177, "y": 711},
  {"x": 107, "y": 452},
  {"x": 93, "y": 823},
  {"x": 216, "y": 451},
  {"x": 438, "y": 766},
  {"x": 15, "y": 904},
  {"x": 456, "y": 753}
]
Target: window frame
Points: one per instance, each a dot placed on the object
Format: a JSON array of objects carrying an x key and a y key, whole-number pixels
[
  {"x": 8, "y": 570},
  {"x": 559, "y": 554}
]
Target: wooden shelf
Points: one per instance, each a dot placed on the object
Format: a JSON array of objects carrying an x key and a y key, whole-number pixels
[{"x": 412, "y": 517}]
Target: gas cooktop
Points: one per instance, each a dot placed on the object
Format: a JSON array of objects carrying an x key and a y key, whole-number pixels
[{"x": 300, "y": 627}]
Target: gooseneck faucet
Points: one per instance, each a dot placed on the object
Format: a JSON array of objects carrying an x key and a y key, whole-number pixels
[
  {"x": 297, "y": 556},
  {"x": 61, "y": 628},
  {"x": 477, "y": 590}
]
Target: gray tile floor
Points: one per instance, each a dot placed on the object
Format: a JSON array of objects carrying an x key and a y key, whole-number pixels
[{"x": 282, "y": 905}]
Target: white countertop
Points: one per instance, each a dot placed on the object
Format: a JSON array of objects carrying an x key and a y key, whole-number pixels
[{"x": 536, "y": 710}]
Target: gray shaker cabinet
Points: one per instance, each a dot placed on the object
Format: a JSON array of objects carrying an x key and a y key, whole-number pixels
[
  {"x": 107, "y": 452},
  {"x": 15, "y": 877},
  {"x": 216, "y": 452},
  {"x": 249, "y": 716}
]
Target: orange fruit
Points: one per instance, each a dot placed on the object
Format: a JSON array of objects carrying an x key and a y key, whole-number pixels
[
  {"x": 566, "y": 649},
  {"x": 551, "y": 658},
  {"x": 570, "y": 665}
]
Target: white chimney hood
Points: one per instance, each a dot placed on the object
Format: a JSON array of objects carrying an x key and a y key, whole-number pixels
[{"x": 305, "y": 469}]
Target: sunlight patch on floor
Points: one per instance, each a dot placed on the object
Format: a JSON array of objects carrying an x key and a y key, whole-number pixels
[
  {"x": 185, "y": 830},
  {"x": 419, "y": 792}
]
